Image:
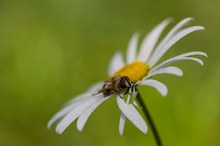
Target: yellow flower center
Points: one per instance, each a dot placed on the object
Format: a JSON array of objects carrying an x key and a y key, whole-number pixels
[{"x": 134, "y": 71}]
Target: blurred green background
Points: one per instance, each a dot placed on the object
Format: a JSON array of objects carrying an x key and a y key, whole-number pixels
[{"x": 52, "y": 50}]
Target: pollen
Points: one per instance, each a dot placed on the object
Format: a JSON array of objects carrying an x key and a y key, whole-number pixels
[{"x": 134, "y": 71}]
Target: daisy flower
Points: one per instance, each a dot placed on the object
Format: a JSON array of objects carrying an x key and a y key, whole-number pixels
[{"x": 138, "y": 68}]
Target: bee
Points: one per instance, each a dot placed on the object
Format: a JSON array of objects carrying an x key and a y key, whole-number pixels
[{"x": 116, "y": 85}]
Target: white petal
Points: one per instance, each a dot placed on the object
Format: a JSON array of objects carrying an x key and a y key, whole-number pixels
[
  {"x": 171, "y": 42},
  {"x": 63, "y": 112},
  {"x": 75, "y": 102},
  {"x": 175, "y": 29},
  {"x": 135, "y": 93},
  {"x": 75, "y": 113},
  {"x": 192, "y": 54},
  {"x": 80, "y": 97},
  {"x": 132, "y": 114},
  {"x": 132, "y": 48},
  {"x": 182, "y": 57},
  {"x": 122, "y": 123},
  {"x": 95, "y": 87},
  {"x": 160, "y": 87},
  {"x": 116, "y": 63},
  {"x": 150, "y": 41},
  {"x": 194, "y": 59},
  {"x": 90, "y": 92},
  {"x": 122, "y": 117},
  {"x": 167, "y": 70},
  {"x": 171, "y": 33},
  {"x": 85, "y": 115}
]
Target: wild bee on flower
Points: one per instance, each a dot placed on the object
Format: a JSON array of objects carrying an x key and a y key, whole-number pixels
[
  {"x": 116, "y": 85},
  {"x": 125, "y": 75},
  {"x": 122, "y": 80}
]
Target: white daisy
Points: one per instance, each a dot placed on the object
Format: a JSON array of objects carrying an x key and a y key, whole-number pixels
[{"x": 124, "y": 76}]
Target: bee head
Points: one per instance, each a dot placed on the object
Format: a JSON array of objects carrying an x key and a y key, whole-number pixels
[{"x": 124, "y": 82}]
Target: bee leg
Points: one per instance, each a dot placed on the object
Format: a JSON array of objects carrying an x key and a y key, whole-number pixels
[
  {"x": 127, "y": 92},
  {"x": 120, "y": 96}
]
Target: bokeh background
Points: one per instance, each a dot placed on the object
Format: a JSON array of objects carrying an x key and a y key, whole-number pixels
[{"x": 52, "y": 50}]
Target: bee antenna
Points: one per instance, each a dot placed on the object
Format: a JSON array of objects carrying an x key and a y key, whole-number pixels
[{"x": 97, "y": 92}]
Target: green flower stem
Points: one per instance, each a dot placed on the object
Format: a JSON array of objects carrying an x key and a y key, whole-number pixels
[{"x": 150, "y": 121}]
